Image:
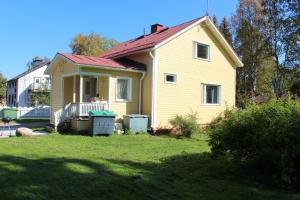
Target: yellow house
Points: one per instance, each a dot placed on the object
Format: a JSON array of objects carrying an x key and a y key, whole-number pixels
[{"x": 178, "y": 70}]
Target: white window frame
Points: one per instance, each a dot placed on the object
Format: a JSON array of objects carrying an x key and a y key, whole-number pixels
[
  {"x": 195, "y": 49},
  {"x": 170, "y": 82},
  {"x": 129, "y": 99},
  {"x": 204, "y": 94}
]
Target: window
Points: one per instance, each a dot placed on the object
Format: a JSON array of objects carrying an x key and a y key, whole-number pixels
[
  {"x": 171, "y": 78},
  {"x": 87, "y": 89},
  {"x": 202, "y": 51},
  {"x": 124, "y": 89},
  {"x": 37, "y": 80},
  {"x": 211, "y": 94}
]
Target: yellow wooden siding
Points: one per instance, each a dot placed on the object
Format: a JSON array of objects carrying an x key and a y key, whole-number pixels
[
  {"x": 176, "y": 57},
  {"x": 68, "y": 90},
  {"x": 60, "y": 68},
  {"x": 121, "y": 108},
  {"x": 147, "y": 82},
  {"x": 103, "y": 87}
]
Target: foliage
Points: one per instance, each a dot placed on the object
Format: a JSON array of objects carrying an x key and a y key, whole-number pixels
[
  {"x": 186, "y": 125},
  {"x": 91, "y": 45},
  {"x": 225, "y": 30},
  {"x": 252, "y": 47},
  {"x": 215, "y": 20},
  {"x": 40, "y": 98},
  {"x": 264, "y": 136},
  {"x": 2, "y": 88},
  {"x": 283, "y": 35}
]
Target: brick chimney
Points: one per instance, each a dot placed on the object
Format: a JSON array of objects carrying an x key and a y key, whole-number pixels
[{"x": 156, "y": 28}]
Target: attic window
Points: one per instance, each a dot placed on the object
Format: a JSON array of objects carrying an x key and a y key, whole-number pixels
[
  {"x": 202, "y": 51},
  {"x": 171, "y": 78}
]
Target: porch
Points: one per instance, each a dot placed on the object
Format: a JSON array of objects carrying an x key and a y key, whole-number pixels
[{"x": 84, "y": 93}]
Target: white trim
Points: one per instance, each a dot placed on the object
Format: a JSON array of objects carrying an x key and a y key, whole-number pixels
[
  {"x": 140, "y": 92},
  {"x": 74, "y": 89},
  {"x": 109, "y": 93},
  {"x": 80, "y": 73},
  {"x": 108, "y": 68},
  {"x": 203, "y": 87},
  {"x": 195, "y": 48},
  {"x": 169, "y": 82},
  {"x": 215, "y": 31},
  {"x": 154, "y": 82},
  {"x": 227, "y": 45},
  {"x": 129, "y": 89},
  {"x": 81, "y": 89},
  {"x": 62, "y": 92},
  {"x": 181, "y": 32}
]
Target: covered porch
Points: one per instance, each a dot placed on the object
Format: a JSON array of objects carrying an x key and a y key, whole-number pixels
[{"x": 85, "y": 92}]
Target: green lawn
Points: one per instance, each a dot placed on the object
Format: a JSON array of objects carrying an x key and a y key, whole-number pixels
[{"x": 122, "y": 167}]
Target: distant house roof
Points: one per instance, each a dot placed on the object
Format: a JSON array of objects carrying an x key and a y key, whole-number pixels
[
  {"x": 147, "y": 41},
  {"x": 122, "y": 63},
  {"x": 40, "y": 65}
]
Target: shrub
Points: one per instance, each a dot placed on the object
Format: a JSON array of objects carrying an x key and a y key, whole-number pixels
[
  {"x": 266, "y": 136},
  {"x": 186, "y": 125}
]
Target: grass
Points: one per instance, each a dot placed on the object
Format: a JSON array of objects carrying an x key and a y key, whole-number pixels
[{"x": 122, "y": 167}]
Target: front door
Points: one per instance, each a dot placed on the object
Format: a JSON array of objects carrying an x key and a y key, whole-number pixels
[{"x": 89, "y": 89}]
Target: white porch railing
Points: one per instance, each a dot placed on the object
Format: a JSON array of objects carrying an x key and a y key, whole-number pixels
[{"x": 79, "y": 110}]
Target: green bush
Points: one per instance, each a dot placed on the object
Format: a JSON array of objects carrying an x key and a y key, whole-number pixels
[
  {"x": 265, "y": 136},
  {"x": 186, "y": 125}
]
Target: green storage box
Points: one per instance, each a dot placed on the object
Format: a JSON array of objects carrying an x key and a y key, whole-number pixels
[
  {"x": 102, "y": 122},
  {"x": 10, "y": 112},
  {"x": 136, "y": 123}
]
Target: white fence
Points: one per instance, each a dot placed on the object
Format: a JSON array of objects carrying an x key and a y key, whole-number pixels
[{"x": 31, "y": 112}]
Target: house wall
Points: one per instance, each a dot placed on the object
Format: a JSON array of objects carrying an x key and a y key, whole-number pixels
[
  {"x": 68, "y": 90},
  {"x": 146, "y": 59},
  {"x": 11, "y": 93},
  {"x": 177, "y": 57},
  {"x": 25, "y": 83},
  {"x": 61, "y": 67},
  {"x": 121, "y": 108}
]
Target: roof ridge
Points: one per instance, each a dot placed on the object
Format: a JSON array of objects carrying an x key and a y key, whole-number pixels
[{"x": 148, "y": 41}]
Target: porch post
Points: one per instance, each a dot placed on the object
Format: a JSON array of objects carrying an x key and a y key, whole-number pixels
[
  {"x": 74, "y": 89},
  {"x": 109, "y": 93},
  {"x": 62, "y": 96},
  {"x": 81, "y": 89},
  {"x": 81, "y": 95}
]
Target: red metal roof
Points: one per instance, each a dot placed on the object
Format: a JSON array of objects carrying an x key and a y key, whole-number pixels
[
  {"x": 147, "y": 41},
  {"x": 103, "y": 62}
]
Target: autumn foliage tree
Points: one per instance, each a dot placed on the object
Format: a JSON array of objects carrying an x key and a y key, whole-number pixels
[{"x": 91, "y": 45}]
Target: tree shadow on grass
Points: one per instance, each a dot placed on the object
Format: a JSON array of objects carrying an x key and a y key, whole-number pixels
[{"x": 187, "y": 176}]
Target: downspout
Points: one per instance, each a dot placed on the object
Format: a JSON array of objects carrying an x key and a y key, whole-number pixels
[
  {"x": 140, "y": 92},
  {"x": 154, "y": 71}
]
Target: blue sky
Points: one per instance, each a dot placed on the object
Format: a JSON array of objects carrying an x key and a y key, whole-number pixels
[{"x": 42, "y": 28}]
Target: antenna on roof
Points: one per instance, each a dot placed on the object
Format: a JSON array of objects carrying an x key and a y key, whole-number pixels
[{"x": 207, "y": 7}]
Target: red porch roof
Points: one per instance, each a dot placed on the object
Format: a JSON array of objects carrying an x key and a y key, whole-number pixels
[{"x": 103, "y": 62}]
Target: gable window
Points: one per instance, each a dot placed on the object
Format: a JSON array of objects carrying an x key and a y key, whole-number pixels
[
  {"x": 211, "y": 94},
  {"x": 171, "y": 78},
  {"x": 124, "y": 89},
  {"x": 202, "y": 51}
]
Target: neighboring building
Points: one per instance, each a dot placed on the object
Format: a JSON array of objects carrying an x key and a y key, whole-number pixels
[
  {"x": 177, "y": 70},
  {"x": 21, "y": 87}
]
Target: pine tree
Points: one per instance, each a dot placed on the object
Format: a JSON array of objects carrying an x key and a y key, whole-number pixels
[
  {"x": 225, "y": 30},
  {"x": 215, "y": 20}
]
